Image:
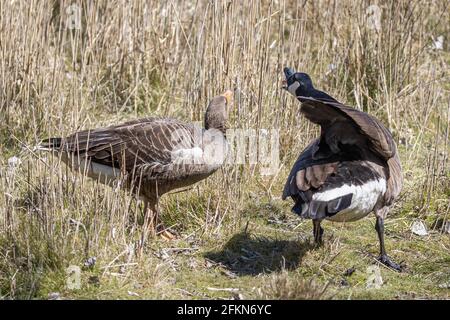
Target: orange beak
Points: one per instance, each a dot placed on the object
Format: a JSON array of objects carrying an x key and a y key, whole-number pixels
[{"x": 229, "y": 96}]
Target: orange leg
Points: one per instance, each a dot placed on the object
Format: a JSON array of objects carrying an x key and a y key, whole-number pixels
[{"x": 153, "y": 224}]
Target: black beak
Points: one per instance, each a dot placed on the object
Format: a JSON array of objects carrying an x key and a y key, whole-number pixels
[{"x": 288, "y": 72}]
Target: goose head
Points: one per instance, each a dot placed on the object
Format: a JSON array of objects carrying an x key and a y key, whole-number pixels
[
  {"x": 297, "y": 83},
  {"x": 217, "y": 112},
  {"x": 300, "y": 85}
]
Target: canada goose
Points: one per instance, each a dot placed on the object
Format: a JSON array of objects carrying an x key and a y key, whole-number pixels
[
  {"x": 152, "y": 156},
  {"x": 352, "y": 169}
]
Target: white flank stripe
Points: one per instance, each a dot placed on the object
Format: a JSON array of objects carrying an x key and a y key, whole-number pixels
[
  {"x": 365, "y": 197},
  {"x": 193, "y": 155},
  {"x": 104, "y": 170},
  {"x": 97, "y": 170}
]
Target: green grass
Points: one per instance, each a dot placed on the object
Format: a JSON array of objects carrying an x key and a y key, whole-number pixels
[
  {"x": 237, "y": 239},
  {"x": 247, "y": 262},
  {"x": 269, "y": 254}
]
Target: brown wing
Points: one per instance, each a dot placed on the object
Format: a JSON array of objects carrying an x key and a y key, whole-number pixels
[
  {"x": 326, "y": 113},
  {"x": 395, "y": 180},
  {"x": 308, "y": 172},
  {"x": 144, "y": 143},
  {"x": 342, "y": 125}
]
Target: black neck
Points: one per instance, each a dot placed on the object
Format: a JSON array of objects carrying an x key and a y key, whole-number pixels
[{"x": 317, "y": 94}]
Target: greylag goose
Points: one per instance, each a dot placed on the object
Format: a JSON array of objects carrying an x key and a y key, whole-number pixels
[
  {"x": 352, "y": 169},
  {"x": 151, "y": 156}
]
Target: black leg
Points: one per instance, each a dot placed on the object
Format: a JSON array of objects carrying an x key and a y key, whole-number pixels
[
  {"x": 384, "y": 259},
  {"x": 318, "y": 231}
]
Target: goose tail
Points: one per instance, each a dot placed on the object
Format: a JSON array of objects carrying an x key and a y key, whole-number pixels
[{"x": 49, "y": 144}]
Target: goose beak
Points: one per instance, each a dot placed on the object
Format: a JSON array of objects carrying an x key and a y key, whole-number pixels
[
  {"x": 288, "y": 73},
  {"x": 229, "y": 96}
]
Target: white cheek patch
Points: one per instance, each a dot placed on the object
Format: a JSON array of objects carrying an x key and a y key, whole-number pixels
[{"x": 293, "y": 88}]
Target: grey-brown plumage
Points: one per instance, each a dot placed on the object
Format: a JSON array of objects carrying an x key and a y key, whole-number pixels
[
  {"x": 152, "y": 155},
  {"x": 352, "y": 169}
]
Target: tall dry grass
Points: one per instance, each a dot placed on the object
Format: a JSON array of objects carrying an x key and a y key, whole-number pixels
[{"x": 132, "y": 59}]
